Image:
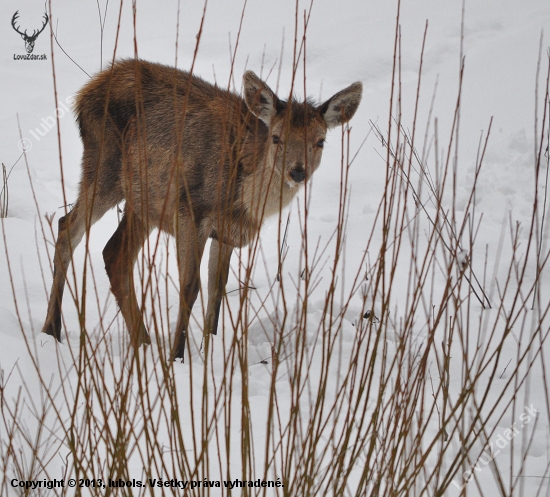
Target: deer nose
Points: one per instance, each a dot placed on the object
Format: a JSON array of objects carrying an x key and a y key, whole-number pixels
[{"x": 298, "y": 173}]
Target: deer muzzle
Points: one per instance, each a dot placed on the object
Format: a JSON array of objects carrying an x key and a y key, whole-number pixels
[{"x": 298, "y": 173}]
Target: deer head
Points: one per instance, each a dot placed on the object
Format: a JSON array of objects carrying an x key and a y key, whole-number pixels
[{"x": 29, "y": 39}]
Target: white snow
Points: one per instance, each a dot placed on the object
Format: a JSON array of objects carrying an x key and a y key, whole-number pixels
[{"x": 347, "y": 41}]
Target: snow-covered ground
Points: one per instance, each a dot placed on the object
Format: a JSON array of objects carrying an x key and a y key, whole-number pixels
[{"x": 349, "y": 40}]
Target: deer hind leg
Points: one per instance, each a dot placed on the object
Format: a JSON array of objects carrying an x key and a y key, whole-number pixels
[
  {"x": 120, "y": 255},
  {"x": 71, "y": 230},
  {"x": 218, "y": 271},
  {"x": 190, "y": 241}
]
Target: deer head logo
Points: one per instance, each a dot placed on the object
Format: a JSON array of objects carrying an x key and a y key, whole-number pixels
[{"x": 29, "y": 39}]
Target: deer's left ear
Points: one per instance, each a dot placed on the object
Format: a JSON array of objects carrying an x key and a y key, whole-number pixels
[{"x": 340, "y": 108}]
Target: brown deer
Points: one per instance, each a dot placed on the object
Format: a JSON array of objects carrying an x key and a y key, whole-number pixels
[{"x": 193, "y": 160}]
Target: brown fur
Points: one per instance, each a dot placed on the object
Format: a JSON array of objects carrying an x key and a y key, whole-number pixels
[{"x": 193, "y": 160}]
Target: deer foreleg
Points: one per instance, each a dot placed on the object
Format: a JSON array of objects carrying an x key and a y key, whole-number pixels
[
  {"x": 190, "y": 241},
  {"x": 218, "y": 271}
]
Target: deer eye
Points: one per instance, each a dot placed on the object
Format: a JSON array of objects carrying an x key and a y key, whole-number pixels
[
  {"x": 276, "y": 139},
  {"x": 321, "y": 143}
]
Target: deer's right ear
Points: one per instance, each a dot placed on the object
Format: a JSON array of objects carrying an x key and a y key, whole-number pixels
[{"x": 258, "y": 97}]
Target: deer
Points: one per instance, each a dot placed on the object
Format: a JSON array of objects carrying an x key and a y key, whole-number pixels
[
  {"x": 29, "y": 39},
  {"x": 191, "y": 159}
]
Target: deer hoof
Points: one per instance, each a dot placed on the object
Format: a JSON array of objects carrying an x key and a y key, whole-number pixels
[{"x": 52, "y": 330}]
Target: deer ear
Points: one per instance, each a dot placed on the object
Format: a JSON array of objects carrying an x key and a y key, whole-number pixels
[
  {"x": 259, "y": 98},
  {"x": 340, "y": 108}
]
